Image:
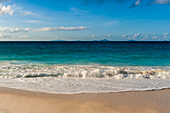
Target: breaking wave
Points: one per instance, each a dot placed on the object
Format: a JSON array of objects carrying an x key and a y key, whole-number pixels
[{"x": 9, "y": 70}]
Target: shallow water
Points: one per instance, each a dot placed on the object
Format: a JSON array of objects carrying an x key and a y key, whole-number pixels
[
  {"x": 87, "y": 53},
  {"x": 80, "y": 85}
]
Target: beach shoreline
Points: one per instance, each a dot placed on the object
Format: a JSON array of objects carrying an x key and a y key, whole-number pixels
[
  {"x": 83, "y": 85},
  {"x": 21, "y": 101}
]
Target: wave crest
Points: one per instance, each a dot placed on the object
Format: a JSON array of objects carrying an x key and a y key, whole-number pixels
[{"x": 83, "y": 71}]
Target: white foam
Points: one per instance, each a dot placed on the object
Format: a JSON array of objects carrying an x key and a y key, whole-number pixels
[
  {"x": 73, "y": 79},
  {"x": 81, "y": 85},
  {"x": 8, "y": 70}
]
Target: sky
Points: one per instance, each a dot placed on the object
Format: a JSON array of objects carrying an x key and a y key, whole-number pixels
[{"x": 86, "y": 20}]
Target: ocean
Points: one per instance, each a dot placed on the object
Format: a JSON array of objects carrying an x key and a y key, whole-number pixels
[
  {"x": 85, "y": 67},
  {"x": 129, "y": 53},
  {"x": 86, "y": 59}
]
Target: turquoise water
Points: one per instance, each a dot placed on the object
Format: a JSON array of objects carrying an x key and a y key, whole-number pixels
[{"x": 85, "y": 53}]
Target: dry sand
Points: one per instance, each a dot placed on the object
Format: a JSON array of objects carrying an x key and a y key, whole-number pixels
[{"x": 18, "y": 101}]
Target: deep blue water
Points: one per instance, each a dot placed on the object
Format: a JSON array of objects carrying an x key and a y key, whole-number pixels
[{"x": 103, "y": 53}]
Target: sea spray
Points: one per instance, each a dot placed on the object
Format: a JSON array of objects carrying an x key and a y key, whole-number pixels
[{"x": 8, "y": 70}]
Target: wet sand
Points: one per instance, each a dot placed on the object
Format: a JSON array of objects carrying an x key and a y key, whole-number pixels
[{"x": 19, "y": 101}]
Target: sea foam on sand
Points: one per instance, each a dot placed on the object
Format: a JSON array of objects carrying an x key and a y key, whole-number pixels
[
  {"x": 72, "y": 79},
  {"x": 80, "y": 85}
]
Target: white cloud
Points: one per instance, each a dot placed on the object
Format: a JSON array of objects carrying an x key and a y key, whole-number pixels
[
  {"x": 111, "y": 23},
  {"x": 4, "y": 1},
  {"x": 148, "y": 2},
  {"x": 136, "y": 35},
  {"x": 32, "y": 21},
  {"x": 26, "y": 13},
  {"x": 166, "y": 33},
  {"x": 133, "y": 4},
  {"x": 61, "y": 28},
  {"x": 162, "y": 1},
  {"x": 4, "y": 35},
  {"x": 77, "y": 11},
  {"x": 24, "y": 36},
  {"x": 124, "y": 36},
  {"x": 59, "y": 38},
  {"x": 137, "y": 2},
  {"x": 154, "y": 37},
  {"x": 6, "y": 10},
  {"x": 20, "y": 11},
  {"x": 93, "y": 36},
  {"x": 109, "y": 35},
  {"x": 149, "y": 37},
  {"x": 17, "y": 30},
  {"x": 13, "y": 30}
]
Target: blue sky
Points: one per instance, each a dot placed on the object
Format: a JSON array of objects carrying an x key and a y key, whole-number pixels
[{"x": 35, "y": 20}]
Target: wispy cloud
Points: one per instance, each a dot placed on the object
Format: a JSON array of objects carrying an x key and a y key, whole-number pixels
[
  {"x": 161, "y": 1},
  {"x": 109, "y": 35},
  {"x": 100, "y": 2},
  {"x": 32, "y": 21},
  {"x": 4, "y": 1},
  {"x": 17, "y": 30},
  {"x": 149, "y": 37},
  {"x": 24, "y": 36},
  {"x": 4, "y": 35},
  {"x": 13, "y": 30},
  {"x": 61, "y": 28},
  {"x": 133, "y": 3},
  {"x": 136, "y": 3},
  {"x": 77, "y": 11},
  {"x": 93, "y": 36},
  {"x": 148, "y": 3},
  {"x": 166, "y": 34},
  {"x": 111, "y": 23},
  {"x": 26, "y": 13}
]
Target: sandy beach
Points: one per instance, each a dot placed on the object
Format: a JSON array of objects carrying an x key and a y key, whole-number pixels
[{"x": 19, "y": 101}]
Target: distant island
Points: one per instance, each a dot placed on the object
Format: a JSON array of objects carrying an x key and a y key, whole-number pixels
[
  {"x": 132, "y": 40},
  {"x": 103, "y": 40},
  {"x": 106, "y": 40},
  {"x": 58, "y": 40}
]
